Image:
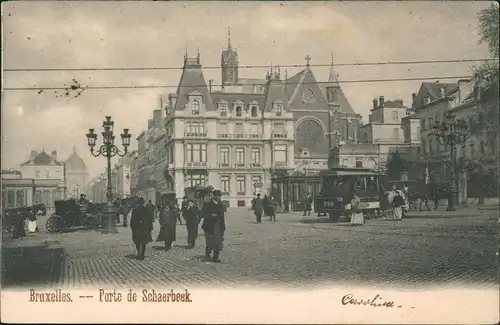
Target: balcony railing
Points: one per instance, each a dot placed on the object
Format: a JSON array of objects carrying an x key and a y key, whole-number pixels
[
  {"x": 280, "y": 164},
  {"x": 223, "y": 135},
  {"x": 223, "y": 165},
  {"x": 279, "y": 135},
  {"x": 197, "y": 164},
  {"x": 195, "y": 135},
  {"x": 239, "y": 165},
  {"x": 256, "y": 165}
]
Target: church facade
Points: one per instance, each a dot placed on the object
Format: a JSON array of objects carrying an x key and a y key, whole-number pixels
[{"x": 77, "y": 177}]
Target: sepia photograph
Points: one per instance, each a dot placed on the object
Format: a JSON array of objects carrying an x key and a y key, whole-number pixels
[{"x": 255, "y": 161}]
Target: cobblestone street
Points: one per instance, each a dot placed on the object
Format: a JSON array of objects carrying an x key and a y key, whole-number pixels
[{"x": 294, "y": 251}]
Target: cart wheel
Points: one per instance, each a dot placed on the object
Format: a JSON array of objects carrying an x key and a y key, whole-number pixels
[
  {"x": 55, "y": 224},
  {"x": 91, "y": 222}
]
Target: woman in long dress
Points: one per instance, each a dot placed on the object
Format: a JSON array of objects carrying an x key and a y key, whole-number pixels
[
  {"x": 357, "y": 218},
  {"x": 398, "y": 204}
]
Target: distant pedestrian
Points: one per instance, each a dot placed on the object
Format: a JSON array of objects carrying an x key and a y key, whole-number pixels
[
  {"x": 357, "y": 218},
  {"x": 307, "y": 204},
  {"x": 32, "y": 225},
  {"x": 214, "y": 225},
  {"x": 272, "y": 209},
  {"x": 398, "y": 203},
  {"x": 150, "y": 207},
  {"x": 258, "y": 208},
  {"x": 141, "y": 227}
]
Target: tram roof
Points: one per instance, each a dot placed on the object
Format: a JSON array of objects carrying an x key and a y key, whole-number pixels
[{"x": 342, "y": 171}]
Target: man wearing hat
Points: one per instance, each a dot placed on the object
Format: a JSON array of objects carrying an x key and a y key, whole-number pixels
[
  {"x": 214, "y": 225},
  {"x": 190, "y": 214}
]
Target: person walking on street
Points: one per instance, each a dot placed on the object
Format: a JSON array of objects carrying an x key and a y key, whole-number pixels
[
  {"x": 190, "y": 214},
  {"x": 150, "y": 207},
  {"x": 141, "y": 227},
  {"x": 308, "y": 205},
  {"x": 168, "y": 218},
  {"x": 214, "y": 226},
  {"x": 398, "y": 204},
  {"x": 258, "y": 208},
  {"x": 272, "y": 209}
]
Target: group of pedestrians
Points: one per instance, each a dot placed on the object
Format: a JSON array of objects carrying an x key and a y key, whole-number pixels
[
  {"x": 266, "y": 206},
  {"x": 212, "y": 213}
]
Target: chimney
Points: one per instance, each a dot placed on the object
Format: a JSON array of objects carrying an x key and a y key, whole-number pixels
[
  {"x": 210, "y": 82},
  {"x": 54, "y": 156},
  {"x": 150, "y": 124},
  {"x": 157, "y": 118},
  {"x": 375, "y": 103},
  {"x": 381, "y": 101},
  {"x": 465, "y": 87},
  {"x": 33, "y": 155}
]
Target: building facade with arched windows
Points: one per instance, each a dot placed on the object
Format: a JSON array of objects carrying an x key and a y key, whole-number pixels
[{"x": 239, "y": 135}]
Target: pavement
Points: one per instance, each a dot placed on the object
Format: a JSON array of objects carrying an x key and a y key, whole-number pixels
[{"x": 293, "y": 252}]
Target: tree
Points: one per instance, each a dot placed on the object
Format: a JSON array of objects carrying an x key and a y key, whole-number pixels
[{"x": 489, "y": 26}]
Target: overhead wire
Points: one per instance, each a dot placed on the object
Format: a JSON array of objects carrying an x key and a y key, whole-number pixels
[
  {"x": 81, "y": 87},
  {"x": 251, "y": 66}
]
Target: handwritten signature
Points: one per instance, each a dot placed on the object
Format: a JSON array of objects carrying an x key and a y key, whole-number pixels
[{"x": 376, "y": 301}]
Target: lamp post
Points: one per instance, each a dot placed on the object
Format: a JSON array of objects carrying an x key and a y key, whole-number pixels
[
  {"x": 451, "y": 133},
  {"x": 108, "y": 149}
]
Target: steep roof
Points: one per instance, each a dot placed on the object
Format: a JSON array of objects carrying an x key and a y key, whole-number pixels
[
  {"x": 42, "y": 159},
  {"x": 192, "y": 79},
  {"x": 434, "y": 88},
  {"x": 75, "y": 162},
  {"x": 292, "y": 83},
  {"x": 275, "y": 91}
]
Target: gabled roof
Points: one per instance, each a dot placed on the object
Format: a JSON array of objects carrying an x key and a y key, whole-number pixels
[
  {"x": 292, "y": 83},
  {"x": 275, "y": 91},
  {"x": 192, "y": 79},
  {"x": 434, "y": 88},
  {"x": 42, "y": 159},
  {"x": 228, "y": 55}
]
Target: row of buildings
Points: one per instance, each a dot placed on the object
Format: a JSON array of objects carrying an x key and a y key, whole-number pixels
[
  {"x": 44, "y": 178},
  {"x": 239, "y": 136}
]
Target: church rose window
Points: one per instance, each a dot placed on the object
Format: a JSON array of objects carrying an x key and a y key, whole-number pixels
[{"x": 309, "y": 134}]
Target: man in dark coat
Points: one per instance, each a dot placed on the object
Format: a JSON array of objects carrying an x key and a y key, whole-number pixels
[
  {"x": 190, "y": 214},
  {"x": 308, "y": 205},
  {"x": 258, "y": 209},
  {"x": 151, "y": 210},
  {"x": 214, "y": 225},
  {"x": 141, "y": 226}
]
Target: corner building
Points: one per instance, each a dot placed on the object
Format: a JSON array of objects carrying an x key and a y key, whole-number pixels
[{"x": 232, "y": 140}]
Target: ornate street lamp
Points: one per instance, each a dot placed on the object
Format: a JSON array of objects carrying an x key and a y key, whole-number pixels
[
  {"x": 451, "y": 133},
  {"x": 108, "y": 149}
]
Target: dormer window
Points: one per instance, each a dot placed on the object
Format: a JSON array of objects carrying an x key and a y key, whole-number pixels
[
  {"x": 279, "y": 109},
  {"x": 238, "y": 111},
  {"x": 223, "y": 109},
  {"x": 195, "y": 107},
  {"x": 253, "y": 111}
]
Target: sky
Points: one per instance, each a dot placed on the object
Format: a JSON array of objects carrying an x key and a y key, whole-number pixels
[{"x": 86, "y": 34}]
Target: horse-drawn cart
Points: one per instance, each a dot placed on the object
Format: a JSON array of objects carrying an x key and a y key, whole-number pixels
[{"x": 71, "y": 213}]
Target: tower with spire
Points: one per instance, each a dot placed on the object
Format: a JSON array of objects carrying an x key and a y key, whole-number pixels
[{"x": 229, "y": 63}]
